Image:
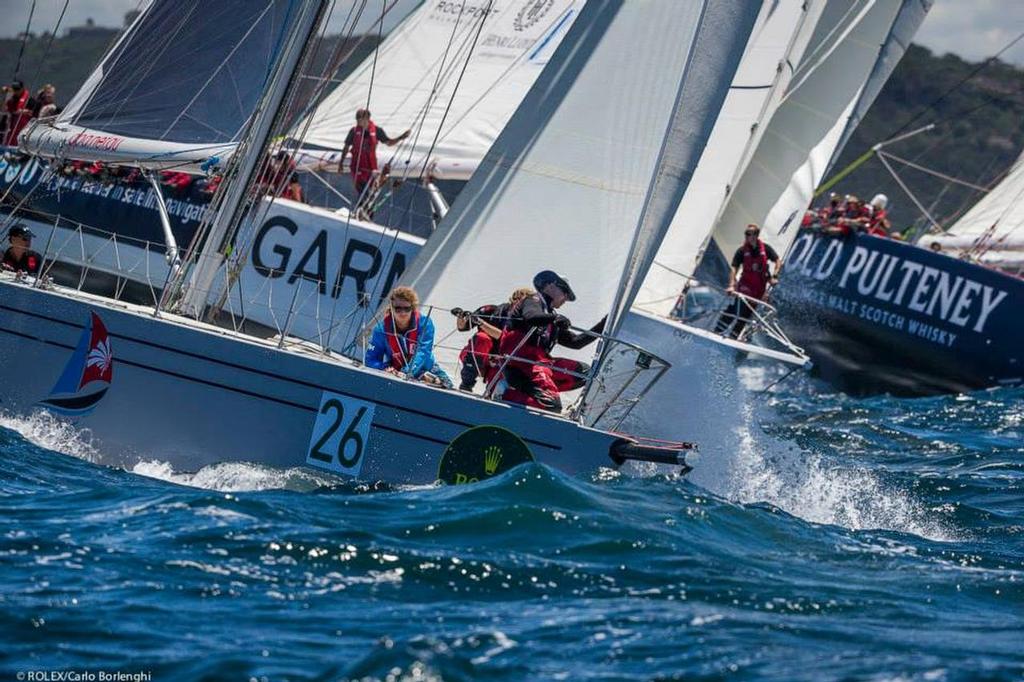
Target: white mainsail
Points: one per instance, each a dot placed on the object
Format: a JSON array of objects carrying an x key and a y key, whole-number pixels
[
  {"x": 566, "y": 182},
  {"x": 454, "y": 71},
  {"x": 178, "y": 88},
  {"x": 854, "y": 49},
  {"x": 778, "y": 40}
]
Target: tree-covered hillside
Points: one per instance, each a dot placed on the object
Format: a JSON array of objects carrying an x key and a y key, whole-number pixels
[
  {"x": 978, "y": 115},
  {"x": 977, "y": 109}
]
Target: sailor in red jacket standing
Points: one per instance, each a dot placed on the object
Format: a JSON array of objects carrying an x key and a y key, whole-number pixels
[
  {"x": 362, "y": 141},
  {"x": 751, "y": 263}
]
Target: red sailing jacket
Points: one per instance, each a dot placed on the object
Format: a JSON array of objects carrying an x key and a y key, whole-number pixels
[
  {"x": 754, "y": 279},
  {"x": 364, "y": 151},
  {"x": 16, "y": 122}
]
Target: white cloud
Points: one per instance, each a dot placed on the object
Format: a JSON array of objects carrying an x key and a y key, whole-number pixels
[{"x": 974, "y": 29}]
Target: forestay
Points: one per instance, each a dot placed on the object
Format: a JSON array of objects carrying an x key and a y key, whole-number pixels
[
  {"x": 852, "y": 43},
  {"x": 178, "y": 87},
  {"x": 452, "y": 70},
  {"x": 776, "y": 43},
  {"x": 564, "y": 185}
]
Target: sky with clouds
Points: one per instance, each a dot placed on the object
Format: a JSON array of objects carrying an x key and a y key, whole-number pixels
[{"x": 973, "y": 29}]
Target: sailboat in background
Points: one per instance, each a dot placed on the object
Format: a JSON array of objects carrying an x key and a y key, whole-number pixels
[
  {"x": 937, "y": 316},
  {"x": 301, "y": 269},
  {"x": 842, "y": 53},
  {"x": 702, "y": 382},
  {"x": 286, "y": 402}
]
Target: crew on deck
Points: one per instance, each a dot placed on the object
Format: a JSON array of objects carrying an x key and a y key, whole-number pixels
[
  {"x": 362, "y": 141},
  {"x": 19, "y": 256},
  {"x": 480, "y": 358},
  {"x": 533, "y": 376},
  {"x": 751, "y": 264},
  {"x": 403, "y": 342},
  {"x": 844, "y": 216},
  {"x": 18, "y": 107}
]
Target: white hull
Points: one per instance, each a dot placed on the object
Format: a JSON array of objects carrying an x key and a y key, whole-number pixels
[
  {"x": 306, "y": 274},
  {"x": 701, "y": 394},
  {"x": 193, "y": 395}
]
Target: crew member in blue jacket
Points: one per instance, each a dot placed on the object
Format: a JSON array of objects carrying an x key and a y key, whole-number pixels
[{"x": 403, "y": 342}]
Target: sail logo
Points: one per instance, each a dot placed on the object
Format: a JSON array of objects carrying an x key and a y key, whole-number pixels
[
  {"x": 452, "y": 10},
  {"x": 87, "y": 375},
  {"x": 90, "y": 141},
  {"x": 896, "y": 281},
  {"x": 531, "y": 13}
]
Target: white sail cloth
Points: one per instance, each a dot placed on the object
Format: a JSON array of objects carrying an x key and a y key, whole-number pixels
[
  {"x": 416, "y": 80},
  {"x": 564, "y": 185},
  {"x": 993, "y": 224},
  {"x": 179, "y": 87},
  {"x": 777, "y": 41},
  {"x": 852, "y": 43}
]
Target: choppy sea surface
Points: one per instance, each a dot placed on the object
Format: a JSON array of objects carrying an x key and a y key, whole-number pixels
[{"x": 824, "y": 537}]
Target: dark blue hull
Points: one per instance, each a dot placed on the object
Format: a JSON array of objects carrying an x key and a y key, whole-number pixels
[
  {"x": 129, "y": 208},
  {"x": 877, "y": 315}
]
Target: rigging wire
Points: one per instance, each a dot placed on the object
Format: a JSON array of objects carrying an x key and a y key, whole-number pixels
[
  {"x": 49, "y": 44},
  {"x": 444, "y": 116},
  {"x": 376, "y": 50},
  {"x": 24, "y": 39},
  {"x": 441, "y": 73}
]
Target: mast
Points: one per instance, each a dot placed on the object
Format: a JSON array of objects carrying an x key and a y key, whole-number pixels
[{"x": 232, "y": 207}]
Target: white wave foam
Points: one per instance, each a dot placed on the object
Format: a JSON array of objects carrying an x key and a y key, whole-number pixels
[
  {"x": 47, "y": 431},
  {"x": 714, "y": 405},
  {"x": 234, "y": 477},
  {"x": 751, "y": 466}
]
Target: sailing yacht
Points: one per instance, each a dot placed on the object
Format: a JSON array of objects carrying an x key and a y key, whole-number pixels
[
  {"x": 159, "y": 382},
  {"x": 936, "y": 316},
  {"x": 312, "y": 270},
  {"x": 832, "y": 58}
]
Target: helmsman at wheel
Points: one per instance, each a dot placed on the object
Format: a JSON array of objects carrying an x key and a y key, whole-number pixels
[{"x": 751, "y": 263}]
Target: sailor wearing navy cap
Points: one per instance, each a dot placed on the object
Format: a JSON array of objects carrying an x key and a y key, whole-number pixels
[
  {"x": 20, "y": 257},
  {"x": 534, "y": 377}
]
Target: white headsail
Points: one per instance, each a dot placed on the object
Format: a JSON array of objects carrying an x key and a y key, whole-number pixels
[
  {"x": 178, "y": 88},
  {"x": 416, "y": 80},
  {"x": 854, "y": 49},
  {"x": 991, "y": 230},
  {"x": 604, "y": 132},
  {"x": 782, "y": 32}
]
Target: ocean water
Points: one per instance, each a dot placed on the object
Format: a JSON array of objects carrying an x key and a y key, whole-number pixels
[{"x": 822, "y": 537}]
